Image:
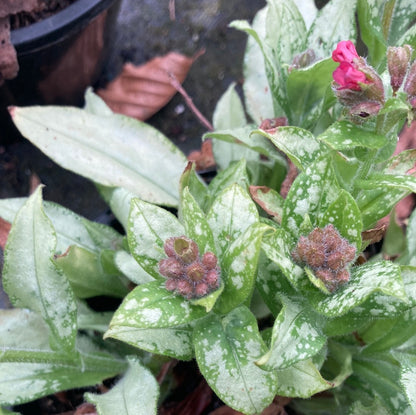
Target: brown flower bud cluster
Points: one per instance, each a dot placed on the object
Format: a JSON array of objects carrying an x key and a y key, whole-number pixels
[
  {"x": 328, "y": 254},
  {"x": 188, "y": 274}
]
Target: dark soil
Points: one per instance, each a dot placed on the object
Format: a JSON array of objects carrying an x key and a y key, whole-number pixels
[{"x": 45, "y": 9}]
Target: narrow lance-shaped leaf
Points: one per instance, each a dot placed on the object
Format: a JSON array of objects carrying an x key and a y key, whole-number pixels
[
  {"x": 136, "y": 393},
  {"x": 30, "y": 277},
  {"x": 226, "y": 350},
  {"x": 148, "y": 228},
  {"x": 111, "y": 150}
]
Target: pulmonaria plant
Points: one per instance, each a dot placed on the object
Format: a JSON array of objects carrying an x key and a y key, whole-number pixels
[{"x": 269, "y": 276}]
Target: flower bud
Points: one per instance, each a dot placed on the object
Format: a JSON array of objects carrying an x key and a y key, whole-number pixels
[
  {"x": 410, "y": 82},
  {"x": 336, "y": 260},
  {"x": 171, "y": 284},
  {"x": 302, "y": 60},
  {"x": 186, "y": 249},
  {"x": 209, "y": 260},
  {"x": 270, "y": 123},
  {"x": 184, "y": 288},
  {"x": 168, "y": 247},
  {"x": 212, "y": 278},
  {"x": 170, "y": 268},
  {"x": 201, "y": 289},
  {"x": 398, "y": 59},
  {"x": 195, "y": 271}
]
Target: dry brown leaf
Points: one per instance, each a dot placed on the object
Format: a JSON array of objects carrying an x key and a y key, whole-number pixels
[
  {"x": 204, "y": 159},
  {"x": 141, "y": 91}
]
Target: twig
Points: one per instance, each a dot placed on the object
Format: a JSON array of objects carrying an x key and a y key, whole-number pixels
[
  {"x": 188, "y": 100},
  {"x": 172, "y": 14}
]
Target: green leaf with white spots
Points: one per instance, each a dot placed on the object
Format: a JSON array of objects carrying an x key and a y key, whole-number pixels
[
  {"x": 278, "y": 247},
  {"x": 113, "y": 150},
  {"x": 196, "y": 186},
  {"x": 303, "y": 379},
  {"x": 345, "y": 215},
  {"x": 235, "y": 173},
  {"x": 370, "y": 17},
  {"x": 151, "y": 305},
  {"x": 196, "y": 224},
  {"x": 297, "y": 335},
  {"x": 273, "y": 71},
  {"x": 285, "y": 30},
  {"x": 87, "y": 276},
  {"x": 30, "y": 369},
  {"x": 376, "y": 407},
  {"x": 174, "y": 342},
  {"x": 334, "y": 22},
  {"x": 272, "y": 284},
  {"x": 257, "y": 95},
  {"x": 231, "y": 213},
  {"x": 30, "y": 277},
  {"x": 344, "y": 135},
  {"x": 229, "y": 114},
  {"x": 402, "y": 329},
  {"x": 379, "y": 277},
  {"x": 238, "y": 268},
  {"x": 383, "y": 374},
  {"x": 69, "y": 227},
  {"x": 148, "y": 228},
  {"x": 307, "y": 90},
  {"x": 311, "y": 194},
  {"x": 226, "y": 350},
  {"x": 250, "y": 142},
  {"x": 408, "y": 376},
  {"x": 409, "y": 257},
  {"x": 318, "y": 283},
  {"x": 402, "y": 182},
  {"x": 376, "y": 203},
  {"x": 298, "y": 144},
  {"x": 104, "y": 236},
  {"x": 136, "y": 393}
]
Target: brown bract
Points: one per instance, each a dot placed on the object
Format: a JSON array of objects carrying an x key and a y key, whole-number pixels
[{"x": 141, "y": 91}]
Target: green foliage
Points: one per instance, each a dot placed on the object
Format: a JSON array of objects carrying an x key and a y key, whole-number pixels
[{"x": 240, "y": 295}]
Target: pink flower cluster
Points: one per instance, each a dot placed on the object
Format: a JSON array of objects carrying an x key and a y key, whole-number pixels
[{"x": 347, "y": 75}]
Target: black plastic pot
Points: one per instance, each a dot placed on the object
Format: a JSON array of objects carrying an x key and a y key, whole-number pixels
[{"x": 60, "y": 56}]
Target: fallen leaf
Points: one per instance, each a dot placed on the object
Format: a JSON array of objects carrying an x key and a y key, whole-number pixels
[{"x": 141, "y": 91}]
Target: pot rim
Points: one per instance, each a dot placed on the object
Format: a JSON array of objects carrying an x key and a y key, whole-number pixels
[{"x": 50, "y": 30}]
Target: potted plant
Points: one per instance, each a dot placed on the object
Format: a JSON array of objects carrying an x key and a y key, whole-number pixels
[{"x": 273, "y": 295}]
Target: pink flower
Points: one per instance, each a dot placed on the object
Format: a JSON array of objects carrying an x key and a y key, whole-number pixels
[
  {"x": 345, "y": 52},
  {"x": 348, "y": 77}
]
